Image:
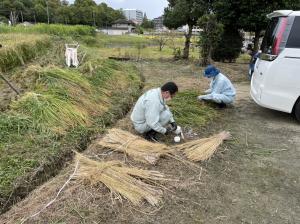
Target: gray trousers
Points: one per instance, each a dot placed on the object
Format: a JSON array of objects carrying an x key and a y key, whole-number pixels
[
  {"x": 217, "y": 98},
  {"x": 164, "y": 119}
]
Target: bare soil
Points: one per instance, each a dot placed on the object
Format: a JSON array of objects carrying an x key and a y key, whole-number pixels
[{"x": 252, "y": 179}]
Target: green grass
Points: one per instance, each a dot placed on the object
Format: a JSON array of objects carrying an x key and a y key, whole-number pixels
[
  {"x": 189, "y": 112},
  {"x": 243, "y": 58},
  {"x": 50, "y": 113},
  {"x": 61, "y": 108},
  {"x": 52, "y": 29},
  {"x": 13, "y": 125},
  {"x": 136, "y": 47},
  {"x": 59, "y": 111},
  {"x": 123, "y": 41},
  {"x": 18, "y": 53}
]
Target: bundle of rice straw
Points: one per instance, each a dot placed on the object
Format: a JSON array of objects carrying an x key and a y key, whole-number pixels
[
  {"x": 203, "y": 149},
  {"x": 134, "y": 146},
  {"x": 121, "y": 180}
]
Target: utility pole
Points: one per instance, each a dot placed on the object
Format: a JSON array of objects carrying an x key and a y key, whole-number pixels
[{"x": 47, "y": 5}]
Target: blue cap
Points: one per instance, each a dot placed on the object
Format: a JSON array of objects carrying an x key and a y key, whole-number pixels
[{"x": 211, "y": 71}]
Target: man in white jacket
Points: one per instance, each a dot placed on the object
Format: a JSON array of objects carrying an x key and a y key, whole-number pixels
[{"x": 151, "y": 115}]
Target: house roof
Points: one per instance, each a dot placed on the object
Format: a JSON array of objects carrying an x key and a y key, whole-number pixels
[{"x": 124, "y": 21}]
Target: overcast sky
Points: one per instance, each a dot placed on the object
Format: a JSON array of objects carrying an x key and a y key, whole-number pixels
[{"x": 153, "y": 8}]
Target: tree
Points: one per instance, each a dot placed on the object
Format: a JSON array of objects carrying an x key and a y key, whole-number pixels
[
  {"x": 162, "y": 40},
  {"x": 182, "y": 12},
  {"x": 106, "y": 15},
  {"x": 209, "y": 37},
  {"x": 40, "y": 11},
  {"x": 85, "y": 12},
  {"x": 65, "y": 13},
  {"x": 11, "y": 9},
  {"x": 250, "y": 15},
  {"x": 229, "y": 48},
  {"x": 147, "y": 24}
]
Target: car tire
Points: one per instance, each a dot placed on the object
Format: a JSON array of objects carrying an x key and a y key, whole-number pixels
[{"x": 297, "y": 110}]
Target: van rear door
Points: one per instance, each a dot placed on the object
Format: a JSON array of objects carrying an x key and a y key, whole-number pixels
[{"x": 273, "y": 43}]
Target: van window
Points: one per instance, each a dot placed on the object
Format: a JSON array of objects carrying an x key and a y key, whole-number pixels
[
  {"x": 294, "y": 38},
  {"x": 274, "y": 36},
  {"x": 266, "y": 46}
]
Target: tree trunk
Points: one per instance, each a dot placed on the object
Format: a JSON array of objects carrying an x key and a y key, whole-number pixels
[
  {"x": 186, "y": 50},
  {"x": 209, "y": 55},
  {"x": 256, "y": 40},
  {"x": 48, "y": 15},
  {"x": 13, "y": 17},
  {"x": 22, "y": 17}
]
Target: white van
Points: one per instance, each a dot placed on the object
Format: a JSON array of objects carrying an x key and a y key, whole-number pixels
[{"x": 275, "y": 83}]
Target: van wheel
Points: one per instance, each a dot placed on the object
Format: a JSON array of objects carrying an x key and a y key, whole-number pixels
[{"x": 297, "y": 110}]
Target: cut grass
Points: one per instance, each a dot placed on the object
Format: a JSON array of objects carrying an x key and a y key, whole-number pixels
[
  {"x": 121, "y": 180},
  {"x": 203, "y": 149},
  {"x": 49, "y": 113},
  {"x": 136, "y": 147},
  {"x": 189, "y": 112}
]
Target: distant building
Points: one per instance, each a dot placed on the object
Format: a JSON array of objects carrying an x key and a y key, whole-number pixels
[
  {"x": 158, "y": 23},
  {"x": 185, "y": 29},
  {"x": 134, "y": 15},
  {"x": 120, "y": 27}
]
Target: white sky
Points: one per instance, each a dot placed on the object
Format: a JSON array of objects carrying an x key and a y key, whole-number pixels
[{"x": 153, "y": 8}]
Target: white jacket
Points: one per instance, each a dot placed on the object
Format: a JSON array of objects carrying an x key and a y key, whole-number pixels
[
  {"x": 221, "y": 90},
  {"x": 148, "y": 109}
]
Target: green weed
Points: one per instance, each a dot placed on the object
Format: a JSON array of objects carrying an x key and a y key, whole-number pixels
[{"x": 189, "y": 112}]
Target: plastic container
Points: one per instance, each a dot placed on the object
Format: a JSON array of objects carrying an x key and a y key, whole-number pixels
[{"x": 177, "y": 139}]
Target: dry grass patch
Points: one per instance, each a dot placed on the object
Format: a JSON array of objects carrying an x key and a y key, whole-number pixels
[
  {"x": 120, "y": 179},
  {"x": 134, "y": 146},
  {"x": 203, "y": 149}
]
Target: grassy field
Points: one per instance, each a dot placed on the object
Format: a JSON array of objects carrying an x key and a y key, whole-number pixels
[
  {"x": 60, "y": 108},
  {"x": 253, "y": 178},
  {"x": 52, "y": 29},
  {"x": 80, "y": 203}
]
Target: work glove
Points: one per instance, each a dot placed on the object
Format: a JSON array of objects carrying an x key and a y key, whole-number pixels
[
  {"x": 174, "y": 126},
  {"x": 199, "y": 98},
  {"x": 169, "y": 130}
]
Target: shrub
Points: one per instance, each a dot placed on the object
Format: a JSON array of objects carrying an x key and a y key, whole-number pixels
[{"x": 229, "y": 48}]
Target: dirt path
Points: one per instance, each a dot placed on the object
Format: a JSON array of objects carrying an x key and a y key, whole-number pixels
[
  {"x": 252, "y": 179},
  {"x": 262, "y": 183}
]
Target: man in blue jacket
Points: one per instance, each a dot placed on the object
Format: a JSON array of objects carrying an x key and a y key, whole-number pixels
[
  {"x": 151, "y": 115},
  {"x": 221, "y": 89}
]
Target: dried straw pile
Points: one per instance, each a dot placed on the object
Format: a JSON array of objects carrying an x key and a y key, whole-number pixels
[
  {"x": 203, "y": 149},
  {"x": 121, "y": 180},
  {"x": 134, "y": 146}
]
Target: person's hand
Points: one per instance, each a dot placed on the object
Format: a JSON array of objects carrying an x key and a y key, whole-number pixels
[
  {"x": 174, "y": 126},
  {"x": 169, "y": 130},
  {"x": 199, "y": 98}
]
